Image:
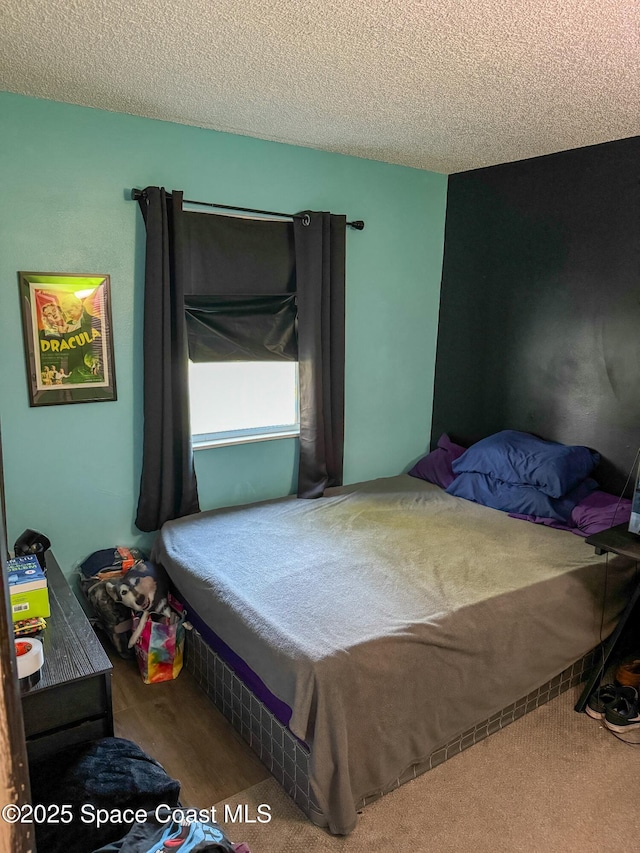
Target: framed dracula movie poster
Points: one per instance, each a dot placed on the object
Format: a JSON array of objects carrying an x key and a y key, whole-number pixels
[{"x": 66, "y": 321}]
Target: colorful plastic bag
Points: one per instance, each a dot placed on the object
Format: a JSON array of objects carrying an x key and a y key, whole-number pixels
[{"x": 160, "y": 647}]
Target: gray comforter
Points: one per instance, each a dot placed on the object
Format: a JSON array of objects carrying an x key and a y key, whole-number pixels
[{"x": 390, "y": 617}]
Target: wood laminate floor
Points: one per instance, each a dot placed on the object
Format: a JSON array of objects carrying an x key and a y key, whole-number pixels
[{"x": 175, "y": 723}]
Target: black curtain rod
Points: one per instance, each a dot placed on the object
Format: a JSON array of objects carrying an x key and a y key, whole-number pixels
[{"x": 136, "y": 195}]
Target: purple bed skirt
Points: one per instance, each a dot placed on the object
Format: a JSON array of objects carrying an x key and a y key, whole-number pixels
[{"x": 280, "y": 710}]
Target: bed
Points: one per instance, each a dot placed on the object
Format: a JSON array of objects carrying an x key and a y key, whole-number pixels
[{"x": 360, "y": 639}]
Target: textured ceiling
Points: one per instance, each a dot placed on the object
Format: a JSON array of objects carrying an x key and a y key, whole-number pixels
[{"x": 444, "y": 85}]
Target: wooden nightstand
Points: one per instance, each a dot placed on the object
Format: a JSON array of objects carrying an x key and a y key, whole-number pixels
[
  {"x": 71, "y": 704},
  {"x": 616, "y": 540}
]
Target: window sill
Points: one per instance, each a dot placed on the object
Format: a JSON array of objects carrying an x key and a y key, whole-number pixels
[{"x": 225, "y": 441}]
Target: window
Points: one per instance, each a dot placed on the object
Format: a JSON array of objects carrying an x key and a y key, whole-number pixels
[{"x": 234, "y": 402}]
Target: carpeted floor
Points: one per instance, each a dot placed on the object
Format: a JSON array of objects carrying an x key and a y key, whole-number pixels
[{"x": 552, "y": 782}]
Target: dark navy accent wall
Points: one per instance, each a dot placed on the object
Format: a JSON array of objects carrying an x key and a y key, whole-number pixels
[{"x": 539, "y": 326}]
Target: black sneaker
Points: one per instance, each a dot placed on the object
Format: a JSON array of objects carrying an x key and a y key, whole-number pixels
[
  {"x": 601, "y": 699},
  {"x": 624, "y": 715}
]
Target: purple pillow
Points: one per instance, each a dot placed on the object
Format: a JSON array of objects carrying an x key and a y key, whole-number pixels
[
  {"x": 435, "y": 467},
  {"x": 600, "y": 511},
  {"x": 597, "y": 512}
]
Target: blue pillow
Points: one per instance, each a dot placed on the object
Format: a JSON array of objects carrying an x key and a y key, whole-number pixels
[
  {"x": 513, "y": 497},
  {"x": 523, "y": 459}
]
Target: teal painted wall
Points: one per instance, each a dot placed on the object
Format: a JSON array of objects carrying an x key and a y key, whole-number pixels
[{"x": 65, "y": 175}]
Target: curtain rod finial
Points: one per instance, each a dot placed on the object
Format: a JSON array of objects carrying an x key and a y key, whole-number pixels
[
  {"x": 358, "y": 224},
  {"x": 136, "y": 194}
]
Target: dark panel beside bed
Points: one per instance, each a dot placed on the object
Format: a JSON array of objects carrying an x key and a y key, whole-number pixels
[{"x": 540, "y": 310}]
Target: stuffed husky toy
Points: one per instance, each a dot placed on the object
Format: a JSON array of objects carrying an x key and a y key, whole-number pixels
[{"x": 144, "y": 588}]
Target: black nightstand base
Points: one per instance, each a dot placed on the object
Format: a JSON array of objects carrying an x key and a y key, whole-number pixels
[{"x": 616, "y": 540}]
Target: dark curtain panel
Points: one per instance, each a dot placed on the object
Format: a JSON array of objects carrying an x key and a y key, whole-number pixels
[
  {"x": 242, "y": 328},
  {"x": 320, "y": 275},
  {"x": 168, "y": 486},
  {"x": 199, "y": 270}
]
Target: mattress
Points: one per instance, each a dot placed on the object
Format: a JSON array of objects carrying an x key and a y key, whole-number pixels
[{"x": 390, "y": 616}]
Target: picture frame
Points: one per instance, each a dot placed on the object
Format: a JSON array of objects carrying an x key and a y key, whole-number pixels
[{"x": 68, "y": 338}]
